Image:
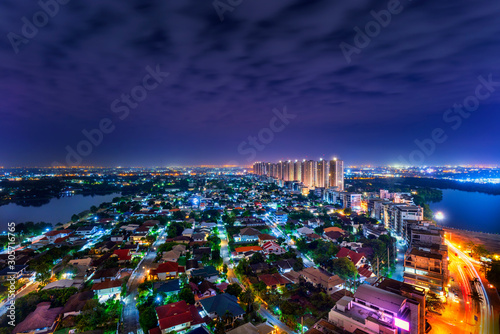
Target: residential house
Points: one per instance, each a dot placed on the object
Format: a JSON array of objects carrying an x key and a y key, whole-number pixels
[
  {"x": 75, "y": 303},
  {"x": 169, "y": 288},
  {"x": 263, "y": 238},
  {"x": 107, "y": 289},
  {"x": 123, "y": 255},
  {"x": 249, "y": 328},
  {"x": 246, "y": 235},
  {"x": 166, "y": 271},
  {"x": 274, "y": 281},
  {"x": 108, "y": 274},
  {"x": 285, "y": 265},
  {"x": 64, "y": 283},
  {"x": 243, "y": 251},
  {"x": 177, "y": 317},
  {"x": 221, "y": 305},
  {"x": 56, "y": 234},
  {"x": 202, "y": 252},
  {"x": 43, "y": 320},
  {"x": 16, "y": 272},
  {"x": 208, "y": 273},
  {"x": 271, "y": 247},
  {"x": 258, "y": 268},
  {"x": 303, "y": 231},
  {"x": 335, "y": 283},
  {"x": 203, "y": 290},
  {"x": 170, "y": 256},
  {"x": 316, "y": 277},
  {"x": 199, "y": 237},
  {"x": 358, "y": 259},
  {"x": 86, "y": 231},
  {"x": 333, "y": 236}
]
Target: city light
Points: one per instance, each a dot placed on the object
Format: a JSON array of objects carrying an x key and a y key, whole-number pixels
[{"x": 439, "y": 215}]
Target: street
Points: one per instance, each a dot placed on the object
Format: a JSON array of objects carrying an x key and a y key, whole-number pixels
[
  {"x": 30, "y": 288},
  {"x": 130, "y": 314}
]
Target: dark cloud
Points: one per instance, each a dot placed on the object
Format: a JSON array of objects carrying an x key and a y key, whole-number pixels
[{"x": 226, "y": 78}]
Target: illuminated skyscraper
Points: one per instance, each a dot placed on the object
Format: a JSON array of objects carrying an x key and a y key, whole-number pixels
[
  {"x": 298, "y": 171},
  {"x": 323, "y": 171},
  {"x": 310, "y": 173},
  {"x": 337, "y": 174}
]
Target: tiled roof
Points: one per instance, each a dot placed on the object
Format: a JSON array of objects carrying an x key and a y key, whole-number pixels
[
  {"x": 221, "y": 304},
  {"x": 168, "y": 267},
  {"x": 174, "y": 314},
  {"x": 354, "y": 256},
  {"x": 123, "y": 254},
  {"x": 108, "y": 284},
  {"x": 273, "y": 279},
  {"x": 43, "y": 316},
  {"x": 247, "y": 249}
]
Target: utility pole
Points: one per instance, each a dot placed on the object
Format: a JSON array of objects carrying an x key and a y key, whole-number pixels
[{"x": 378, "y": 268}]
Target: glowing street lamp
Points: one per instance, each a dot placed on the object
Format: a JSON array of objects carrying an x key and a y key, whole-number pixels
[{"x": 439, "y": 216}]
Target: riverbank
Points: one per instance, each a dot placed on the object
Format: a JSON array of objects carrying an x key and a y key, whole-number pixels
[{"x": 491, "y": 241}]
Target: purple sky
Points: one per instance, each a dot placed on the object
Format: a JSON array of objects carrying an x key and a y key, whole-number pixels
[{"x": 226, "y": 77}]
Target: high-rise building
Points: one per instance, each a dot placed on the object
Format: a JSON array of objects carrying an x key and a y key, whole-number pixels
[
  {"x": 336, "y": 176},
  {"x": 291, "y": 170},
  {"x": 310, "y": 173},
  {"x": 323, "y": 171},
  {"x": 298, "y": 171}
]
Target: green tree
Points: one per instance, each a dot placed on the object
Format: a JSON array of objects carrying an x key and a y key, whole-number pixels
[
  {"x": 234, "y": 289},
  {"x": 147, "y": 318},
  {"x": 187, "y": 295},
  {"x": 344, "y": 268},
  {"x": 248, "y": 298}
]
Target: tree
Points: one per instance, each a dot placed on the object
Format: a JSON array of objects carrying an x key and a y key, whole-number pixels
[
  {"x": 344, "y": 268},
  {"x": 74, "y": 218},
  {"x": 224, "y": 269},
  {"x": 93, "y": 209},
  {"x": 187, "y": 295},
  {"x": 147, "y": 318},
  {"x": 493, "y": 274},
  {"x": 248, "y": 298},
  {"x": 234, "y": 289},
  {"x": 257, "y": 258}
]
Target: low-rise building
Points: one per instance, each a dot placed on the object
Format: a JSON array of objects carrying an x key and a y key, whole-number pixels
[
  {"x": 43, "y": 320},
  {"x": 178, "y": 317},
  {"x": 373, "y": 310}
]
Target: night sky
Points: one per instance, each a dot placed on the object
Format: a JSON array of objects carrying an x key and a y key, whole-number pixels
[{"x": 227, "y": 76}]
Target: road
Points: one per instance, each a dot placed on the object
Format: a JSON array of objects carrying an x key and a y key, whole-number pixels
[
  {"x": 486, "y": 322},
  {"x": 130, "y": 314},
  {"x": 273, "y": 321},
  {"x": 30, "y": 288}
]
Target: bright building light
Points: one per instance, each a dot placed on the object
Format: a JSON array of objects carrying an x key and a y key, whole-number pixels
[
  {"x": 439, "y": 215},
  {"x": 405, "y": 325}
]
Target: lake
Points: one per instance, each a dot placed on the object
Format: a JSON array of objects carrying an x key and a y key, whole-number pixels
[
  {"x": 469, "y": 211},
  {"x": 57, "y": 210}
]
